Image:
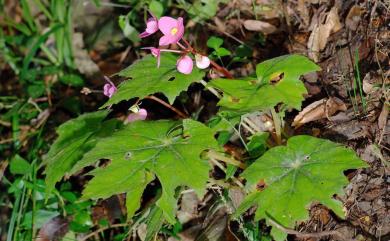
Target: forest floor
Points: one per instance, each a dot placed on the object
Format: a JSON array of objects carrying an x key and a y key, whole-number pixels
[{"x": 347, "y": 101}]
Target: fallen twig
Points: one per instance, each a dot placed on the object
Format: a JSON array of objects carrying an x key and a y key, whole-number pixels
[
  {"x": 300, "y": 234},
  {"x": 119, "y": 225}
]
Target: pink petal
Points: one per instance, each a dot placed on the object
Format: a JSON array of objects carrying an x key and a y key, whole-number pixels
[
  {"x": 155, "y": 52},
  {"x": 151, "y": 25},
  {"x": 111, "y": 91},
  {"x": 140, "y": 115},
  {"x": 167, "y": 40},
  {"x": 202, "y": 62},
  {"x": 165, "y": 24},
  {"x": 185, "y": 64},
  {"x": 143, "y": 113},
  {"x": 144, "y": 34},
  {"x": 180, "y": 28},
  {"x": 106, "y": 89}
]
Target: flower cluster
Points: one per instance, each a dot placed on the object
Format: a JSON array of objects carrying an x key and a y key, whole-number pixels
[{"x": 173, "y": 31}]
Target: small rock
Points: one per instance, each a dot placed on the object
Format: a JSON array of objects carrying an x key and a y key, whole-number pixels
[{"x": 365, "y": 206}]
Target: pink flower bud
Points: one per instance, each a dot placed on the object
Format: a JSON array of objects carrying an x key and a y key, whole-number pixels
[
  {"x": 185, "y": 64},
  {"x": 140, "y": 115},
  {"x": 202, "y": 62},
  {"x": 151, "y": 27},
  {"x": 109, "y": 89},
  {"x": 155, "y": 52}
]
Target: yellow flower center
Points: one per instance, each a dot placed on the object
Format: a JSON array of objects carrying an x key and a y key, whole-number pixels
[{"x": 174, "y": 31}]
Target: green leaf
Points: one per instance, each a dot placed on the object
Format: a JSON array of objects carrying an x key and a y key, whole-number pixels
[
  {"x": 307, "y": 169},
  {"x": 214, "y": 42},
  {"x": 243, "y": 51},
  {"x": 134, "y": 195},
  {"x": 277, "y": 81},
  {"x": 19, "y": 165},
  {"x": 75, "y": 137},
  {"x": 224, "y": 121},
  {"x": 258, "y": 144},
  {"x": 128, "y": 30},
  {"x": 221, "y": 52},
  {"x": 36, "y": 90},
  {"x": 72, "y": 80},
  {"x": 34, "y": 48},
  {"x": 154, "y": 223},
  {"x": 147, "y": 79},
  {"x": 40, "y": 218},
  {"x": 83, "y": 218},
  {"x": 157, "y": 8},
  {"x": 145, "y": 149},
  {"x": 203, "y": 9}
]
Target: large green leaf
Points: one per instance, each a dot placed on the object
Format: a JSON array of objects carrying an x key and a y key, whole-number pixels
[
  {"x": 307, "y": 169},
  {"x": 277, "y": 82},
  {"x": 146, "y": 79},
  {"x": 143, "y": 149},
  {"x": 75, "y": 138}
]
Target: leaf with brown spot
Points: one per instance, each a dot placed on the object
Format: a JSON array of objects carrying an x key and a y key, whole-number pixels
[{"x": 277, "y": 82}]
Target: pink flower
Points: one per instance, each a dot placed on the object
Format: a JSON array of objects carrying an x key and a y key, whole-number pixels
[
  {"x": 185, "y": 64},
  {"x": 140, "y": 115},
  {"x": 202, "y": 62},
  {"x": 151, "y": 27},
  {"x": 109, "y": 89},
  {"x": 172, "y": 29}
]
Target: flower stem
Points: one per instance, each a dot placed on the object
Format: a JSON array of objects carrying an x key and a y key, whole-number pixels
[
  {"x": 181, "y": 46},
  {"x": 226, "y": 159},
  {"x": 211, "y": 89},
  {"x": 277, "y": 125},
  {"x": 178, "y": 112},
  {"x": 172, "y": 51},
  {"x": 221, "y": 69},
  {"x": 216, "y": 66}
]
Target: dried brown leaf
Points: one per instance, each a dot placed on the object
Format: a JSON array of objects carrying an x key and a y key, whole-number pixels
[
  {"x": 318, "y": 110},
  {"x": 188, "y": 207},
  {"x": 220, "y": 25},
  {"x": 3, "y": 166},
  {"x": 303, "y": 12},
  {"x": 353, "y": 18},
  {"x": 383, "y": 117},
  {"x": 53, "y": 230},
  {"x": 321, "y": 32},
  {"x": 259, "y": 26}
]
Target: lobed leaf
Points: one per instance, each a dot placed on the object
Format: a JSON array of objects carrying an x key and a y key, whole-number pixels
[
  {"x": 145, "y": 149},
  {"x": 277, "y": 82},
  {"x": 75, "y": 137},
  {"x": 146, "y": 79},
  {"x": 307, "y": 169}
]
